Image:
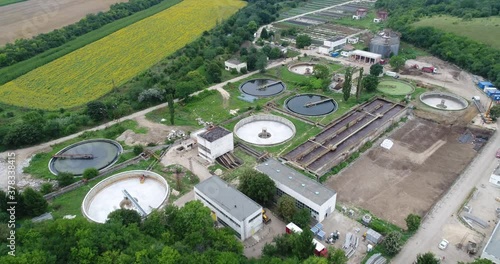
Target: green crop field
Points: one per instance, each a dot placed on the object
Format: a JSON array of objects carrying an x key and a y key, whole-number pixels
[
  {"x": 11, "y": 72},
  {"x": 8, "y": 2},
  {"x": 484, "y": 30}
]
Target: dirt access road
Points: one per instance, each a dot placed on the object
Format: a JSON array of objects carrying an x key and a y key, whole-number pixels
[
  {"x": 32, "y": 17},
  {"x": 431, "y": 230}
]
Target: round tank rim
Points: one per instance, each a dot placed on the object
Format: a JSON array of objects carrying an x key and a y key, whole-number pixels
[
  {"x": 117, "y": 177},
  {"x": 458, "y": 98},
  {"x": 262, "y": 96},
  {"x": 336, "y": 105},
  {"x": 114, "y": 142},
  {"x": 265, "y": 117}
]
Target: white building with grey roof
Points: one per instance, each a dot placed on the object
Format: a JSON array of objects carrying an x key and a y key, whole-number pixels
[
  {"x": 308, "y": 193},
  {"x": 214, "y": 142},
  {"x": 234, "y": 64},
  {"x": 492, "y": 249},
  {"x": 232, "y": 208}
]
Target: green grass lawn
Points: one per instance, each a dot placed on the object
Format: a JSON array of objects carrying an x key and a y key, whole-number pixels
[
  {"x": 8, "y": 2},
  {"x": 11, "y": 72},
  {"x": 484, "y": 30},
  {"x": 394, "y": 87},
  {"x": 38, "y": 166}
]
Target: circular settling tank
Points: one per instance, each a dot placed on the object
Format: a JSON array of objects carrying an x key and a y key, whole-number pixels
[
  {"x": 262, "y": 87},
  {"x": 302, "y": 68},
  {"x": 148, "y": 190},
  {"x": 264, "y": 130},
  {"x": 94, "y": 153},
  {"x": 444, "y": 101},
  {"x": 311, "y": 104},
  {"x": 394, "y": 87}
]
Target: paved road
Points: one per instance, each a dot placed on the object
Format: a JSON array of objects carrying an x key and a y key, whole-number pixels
[{"x": 429, "y": 235}]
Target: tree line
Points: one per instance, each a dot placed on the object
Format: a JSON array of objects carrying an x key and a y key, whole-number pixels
[
  {"x": 466, "y": 53},
  {"x": 23, "y": 49}
]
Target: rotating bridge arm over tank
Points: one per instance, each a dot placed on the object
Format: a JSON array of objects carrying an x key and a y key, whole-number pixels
[{"x": 135, "y": 203}]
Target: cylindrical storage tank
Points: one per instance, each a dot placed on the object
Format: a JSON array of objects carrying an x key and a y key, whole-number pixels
[{"x": 386, "y": 44}]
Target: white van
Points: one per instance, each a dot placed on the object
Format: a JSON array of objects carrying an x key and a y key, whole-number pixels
[{"x": 392, "y": 74}]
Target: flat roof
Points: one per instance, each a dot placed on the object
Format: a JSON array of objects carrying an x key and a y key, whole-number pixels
[
  {"x": 366, "y": 54},
  {"x": 493, "y": 245},
  {"x": 305, "y": 186},
  {"x": 212, "y": 134},
  {"x": 234, "y": 61},
  {"x": 231, "y": 200}
]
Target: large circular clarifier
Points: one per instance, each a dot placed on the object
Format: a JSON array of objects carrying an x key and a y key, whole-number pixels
[
  {"x": 311, "y": 105},
  {"x": 94, "y": 153},
  {"x": 302, "y": 68},
  {"x": 444, "y": 101},
  {"x": 262, "y": 87},
  {"x": 264, "y": 130},
  {"x": 149, "y": 191}
]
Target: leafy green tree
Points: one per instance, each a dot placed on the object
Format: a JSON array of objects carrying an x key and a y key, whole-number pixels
[
  {"x": 495, "y": 112},
  {"x": 261, "y": 62},
  {"x": 321, "y": 72},
  {"x": 413, "y": 222},
  {"x": 376, "y": 69},
  {"x": 302, "y": 218},
  {"x": 90, "y": 173},
  {"x": 213, "y": 72},
  {"x": 169, "y": 255},
  {"x": 124, "y": 217},
  {"x": 252, "y": 26},
  {"x": 392, "y": 242},
  {"x": 46, "y": 188},
  {"x": 65, "y": 179},
  {"x": 34, "y": 203},
  {"x": 258, "y": 186},
  {"x": 303, "y": 246},
  {"x": 138, "y": 149},
  {"x": 286, "y": 207},
  {"x": 264, "y": 34},
  {"x": 302, "y": 41},
  {"x": 96, "y": 110},
  {"x": 427, "y": 258},
  {"x": 370, "y": 83},
  {"x": 337, "y": 256},
  {"x": 347, "y": 86},
  {"x": 397, "y": 62}
]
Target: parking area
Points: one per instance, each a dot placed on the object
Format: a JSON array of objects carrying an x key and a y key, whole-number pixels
[{"x": 253, "y": 246}]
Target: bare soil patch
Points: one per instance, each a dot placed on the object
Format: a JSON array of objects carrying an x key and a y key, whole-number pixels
[
  {"x": 30, "y": 18},
  {"x": 423, "y": 163}
]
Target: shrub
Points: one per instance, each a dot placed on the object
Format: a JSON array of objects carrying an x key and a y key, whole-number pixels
[
  {"x": 65, "y": 179},
  {"x": 138, "y": 149},
  {"x": 46, "y": 188},
  {"x": 90, "y": 173}
]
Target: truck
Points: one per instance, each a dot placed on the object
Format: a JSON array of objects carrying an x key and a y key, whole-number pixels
[
  {"x": 319, "y": 249},
  {"x": 429, "y": 69},
  {"x": 265, "y": 218},
  {"x": 392, "y": 74}
]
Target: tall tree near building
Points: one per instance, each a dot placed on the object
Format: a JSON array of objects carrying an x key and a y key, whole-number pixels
[
  {"x": 427, "y": 258},
  {"x": 376, "y": 69},
  {"x": 302, "y": 41},
  {"x": 286, "y": 207},
  {"x": 346, "y": 88},
  {"x": 171, "y": 107},
  {"x": 397, "y": 62},
  {"x": 360, "y": 84},
  {"x": 258, "y": 186}
]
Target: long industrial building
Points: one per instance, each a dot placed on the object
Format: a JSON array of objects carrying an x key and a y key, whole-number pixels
[
  {"x": 310, "y": 194},
  {"x": 232, "y": 208},
  {"x": 492, "y": 249}
]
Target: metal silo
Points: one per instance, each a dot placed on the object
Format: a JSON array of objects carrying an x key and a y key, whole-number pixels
[{"x": 385, "y": 43}]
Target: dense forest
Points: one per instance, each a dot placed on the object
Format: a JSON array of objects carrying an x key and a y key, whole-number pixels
[
  {"x": 190, "y": 69},
  {"x": 466, "y": 53},
  {"x": 23, "y": 49},
  {"x": 173, "y": 235}
]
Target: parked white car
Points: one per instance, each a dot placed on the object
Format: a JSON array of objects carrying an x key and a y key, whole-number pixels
[{"x": 443, "y": 245}]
